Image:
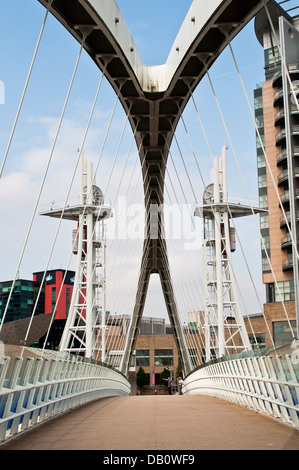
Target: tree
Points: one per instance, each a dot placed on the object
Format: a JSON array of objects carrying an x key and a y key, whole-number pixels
[{"x": 141, "y": 378}]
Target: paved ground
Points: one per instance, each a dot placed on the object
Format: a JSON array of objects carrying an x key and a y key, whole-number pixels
[{"x": 159, "y": 423}]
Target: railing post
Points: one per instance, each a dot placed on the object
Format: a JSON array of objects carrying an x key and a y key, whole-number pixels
[
  {"x": 4, "y": 363},
  {"x": 20, "y": 401},
  {"x": 12, "y": 382},
  {"x": 50, "y": 386},
  {"x": 34, "y": 379},
  {"x": 289, "y": 413}
]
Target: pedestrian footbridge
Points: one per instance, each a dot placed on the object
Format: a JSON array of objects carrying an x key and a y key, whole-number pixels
[
  {"x": 73, "y": 397},
  {"x": 225, "y": 405},
  {"x": 159, "y": 423}
]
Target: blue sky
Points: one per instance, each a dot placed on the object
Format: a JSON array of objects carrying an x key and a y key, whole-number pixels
[{"x": 154, "y": 26}]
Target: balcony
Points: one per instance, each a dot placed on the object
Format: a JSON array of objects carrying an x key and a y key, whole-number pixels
[
  {"x": 278, "y": 98},
  {"x": 283, "y": 177},
  {"x": 281, "y": 156},
  {"x": 286, "y": 242},
  {"x": 280, "y": 136},
  {"x": 287, "y": 264},
  {"x": 280, "y": 115},
  {"x": 293, "y": 69},
  {"x": 278, "y": 95},
  {"x": 295, "y": 130},
  {"x": 285, "y": 197},
  {"x": 277, "y": 77},
  {"x": 294, "y": 109},
  {"x": 283, "y": 222}
]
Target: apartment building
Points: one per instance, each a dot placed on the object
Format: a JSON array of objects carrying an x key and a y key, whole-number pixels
[{"x": 277, "y": 119}]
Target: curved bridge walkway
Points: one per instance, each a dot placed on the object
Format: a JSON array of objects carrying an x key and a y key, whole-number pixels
[{"x": 159, "y": 423}]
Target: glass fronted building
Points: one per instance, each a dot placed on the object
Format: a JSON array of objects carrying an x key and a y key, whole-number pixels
[
  {"x": 22, "y": 300},
  {"x": 45, "y": 294}
]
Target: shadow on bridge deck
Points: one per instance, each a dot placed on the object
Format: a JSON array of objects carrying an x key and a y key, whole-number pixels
[{"x": 159, "y": 423}]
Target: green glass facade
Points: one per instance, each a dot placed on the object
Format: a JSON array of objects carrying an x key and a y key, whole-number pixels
[{"x": 22, "y": 300}]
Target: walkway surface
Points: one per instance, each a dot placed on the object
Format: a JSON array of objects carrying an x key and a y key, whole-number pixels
[{"x": 159, "y": 423}]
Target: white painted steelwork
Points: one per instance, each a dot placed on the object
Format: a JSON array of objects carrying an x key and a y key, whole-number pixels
[
  {"x": 268, "y": 384},
  {"x": 85, "y": 327},
  {"x": 47, "y": 383},
  {"x": 153, "y": 98},
  {"x": 224, "y": 321}
]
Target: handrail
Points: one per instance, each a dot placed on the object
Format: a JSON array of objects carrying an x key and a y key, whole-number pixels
[
  {"x": 267, "y": 384},
  {"x": 38, "y": 388}
]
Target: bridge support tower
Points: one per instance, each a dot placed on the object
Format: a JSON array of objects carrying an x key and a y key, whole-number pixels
[
  {"x": 85, "y": 328},
  {"x": 225, "y": 329}
]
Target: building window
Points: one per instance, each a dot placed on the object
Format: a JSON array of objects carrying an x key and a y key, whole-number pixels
[
  {"x": 262, "y": 181},
  {"x": 152, "y": 326},
  {"x": 163, "y": 357},
  {"x": 257, "y": 341},
  {"x": 263, "y": 201},
  {"x": 260, "y": 141},
  {"x": 283, "y": 332},
  {"x": 266, "y": 243},
  {"x": 270, "y": 58},
  {"x": 284, "y": 291},
  {"x": 259, "y": 119},
  {"x": 193, "y": 356},
  {"x": 68, "y": 299},
  {"x": 143, "y": 358},
  {"x": 261, "y": 161},
  {"x": 258, "y": 100},
  {"x": 264, "y": 221},
  {"x": 266, "y": 265},
  {"x": 53, "y": 299}
]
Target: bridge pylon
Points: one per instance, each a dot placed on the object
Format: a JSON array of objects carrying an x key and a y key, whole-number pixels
[
  {"x": 225, "y": 329},
  {"x": 85, "y": 328},
  {"x": 154, "y": 98}
]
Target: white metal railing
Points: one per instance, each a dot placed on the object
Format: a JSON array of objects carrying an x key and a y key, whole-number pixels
[
  {"x": 36, "y": 386},
  {"x": 268, "y": 384}
]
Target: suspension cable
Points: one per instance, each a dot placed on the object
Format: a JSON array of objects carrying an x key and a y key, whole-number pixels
[
  {"x": 99, "y": 159},
  {"x": 244, "y": 256},
  {"x": 63, "y": 210},
  {"x": 264, "y": 151},
  {"x": 42, "y": 184},
  {"x": 25, "y": 88},
  {"x": 274, "y": 185},
  {"x": 242, "y": 179}
]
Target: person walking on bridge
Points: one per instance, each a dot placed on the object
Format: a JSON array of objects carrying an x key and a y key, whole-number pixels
[
  {"x": 170, "y": 385},
  {"x": 180, "y": 385}
]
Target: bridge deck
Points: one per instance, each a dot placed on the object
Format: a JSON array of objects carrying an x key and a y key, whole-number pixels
[{"x": 159, "y": 423}]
